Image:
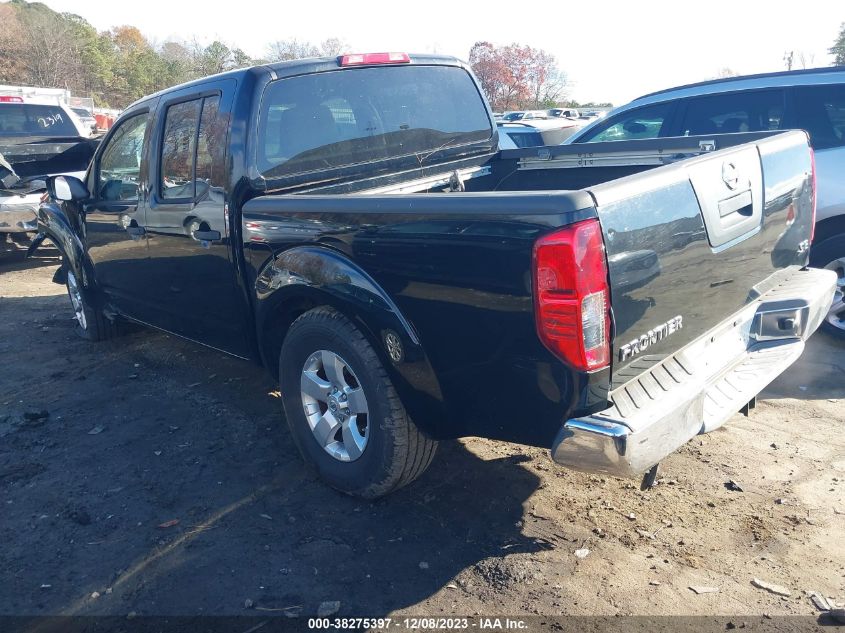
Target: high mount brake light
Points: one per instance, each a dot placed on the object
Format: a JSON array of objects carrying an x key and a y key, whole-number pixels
[
  {"x": 572, "y": 296},
  {"x": 366, "y": 59},
  {"x": 11, "y": 99}
]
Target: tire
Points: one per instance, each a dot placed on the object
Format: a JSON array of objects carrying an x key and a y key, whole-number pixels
[
  {"x": 89, "y": 322},
  {"x": 830, "y": 254},
  {"x": 372, "y": 447}
]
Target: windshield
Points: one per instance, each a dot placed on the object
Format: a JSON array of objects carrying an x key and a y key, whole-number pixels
[
  {"x": 26, "y": 119},
  {"x": 82, "y": 112},
  {"x": 514, "y": 116},
  {"x": 346, "y": 117}
]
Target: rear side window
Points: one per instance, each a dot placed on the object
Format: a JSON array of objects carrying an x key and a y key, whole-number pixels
[
  {"x": 26, "y": 119},
  {"x": 178, "y": 149},
  {"x": 191, "y": 149},
  {"x": 344, "y": 117},
  {"x": 756, "y": 111},
  {"x": 645, "y": 122},
  {"x": 820, "y": 110}
]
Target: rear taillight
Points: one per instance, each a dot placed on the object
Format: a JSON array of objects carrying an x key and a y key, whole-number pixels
[
  {"x": 572, "y": 297},
  {"x": 815, "y": 196},
  {"x": 366, "y": 59}
]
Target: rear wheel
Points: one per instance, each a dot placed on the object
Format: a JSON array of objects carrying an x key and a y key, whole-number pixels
[
  {"x": 89, "y": 322},
  {"x": 830, "y": 254},
  {"x": 343, "y": 411}
]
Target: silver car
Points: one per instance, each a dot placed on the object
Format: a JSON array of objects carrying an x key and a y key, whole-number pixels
[{"x": 812, "y": 100}]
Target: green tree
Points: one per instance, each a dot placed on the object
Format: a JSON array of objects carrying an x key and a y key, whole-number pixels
[
  {"x": 95, "y": 60},
  {"x": 137, "y": 68},
  {"x": 215, "y": 58},
  {"x": 838, "y": 48},
  {"x": 240, "y": 59}
]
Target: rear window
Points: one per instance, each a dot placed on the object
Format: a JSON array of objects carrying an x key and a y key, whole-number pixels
[
  {"x": 821, "y": 112},
  {"x": 26, "y": 119},
  {"x": 346, "y": 117},
  {"x": 743, "y": 111}
]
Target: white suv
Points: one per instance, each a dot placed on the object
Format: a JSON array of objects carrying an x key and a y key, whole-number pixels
[{"x": 812, "y": 100}]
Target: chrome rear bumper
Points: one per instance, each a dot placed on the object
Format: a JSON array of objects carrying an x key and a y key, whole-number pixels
[{"x": 697, "y": 389}]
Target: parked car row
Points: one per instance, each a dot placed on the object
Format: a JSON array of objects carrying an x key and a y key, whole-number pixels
[
  {"x": 532, "y": 128},
  {"x": 811, "y": 100},
  {"x": 553, "y": 113}
]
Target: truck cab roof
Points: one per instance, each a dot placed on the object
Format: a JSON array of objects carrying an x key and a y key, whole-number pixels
[{"x": 292, "y": 68}]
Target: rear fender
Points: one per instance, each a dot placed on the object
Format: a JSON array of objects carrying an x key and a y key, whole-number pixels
[{"x": 309, "y": 276}]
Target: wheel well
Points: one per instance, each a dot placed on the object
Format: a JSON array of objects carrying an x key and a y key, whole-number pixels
[
  {"x": 277, "y": 328},
  {"x": 280, "y": 321}
]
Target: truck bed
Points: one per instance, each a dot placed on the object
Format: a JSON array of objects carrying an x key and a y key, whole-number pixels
[{"x": 457, "y": 264}]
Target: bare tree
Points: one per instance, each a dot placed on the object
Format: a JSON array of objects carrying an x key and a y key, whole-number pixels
[
  {"x": 333, "y": 47},
  {"x": 546, "y": 81},
  {"x": 284, "y": 50},
  {"x": 12, "y": 68},
  {"x": 50, "y": 54},
  {"x": 726, "y": 72},
  {"x": 806, "y": 59}
]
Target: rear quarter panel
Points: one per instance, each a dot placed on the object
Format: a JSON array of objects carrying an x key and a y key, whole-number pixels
[{"x": 456, "y": 268}]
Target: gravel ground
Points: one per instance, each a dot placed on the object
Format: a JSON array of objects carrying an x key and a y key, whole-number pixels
[{"x": 154, "y": 476}]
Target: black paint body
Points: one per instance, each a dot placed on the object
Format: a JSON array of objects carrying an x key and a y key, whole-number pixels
[{"x": 449, "y": 274}]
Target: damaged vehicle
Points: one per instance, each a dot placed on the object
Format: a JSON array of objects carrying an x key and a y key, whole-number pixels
[
  {"x": 36, "y": 140},
  {"x": 351, "y": 224}
]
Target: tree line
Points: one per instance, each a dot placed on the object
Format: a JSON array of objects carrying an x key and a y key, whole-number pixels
[{"x": 40, "y": 47}]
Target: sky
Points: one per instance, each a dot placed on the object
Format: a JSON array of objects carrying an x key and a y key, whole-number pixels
[{"x": 610, "y": 50}]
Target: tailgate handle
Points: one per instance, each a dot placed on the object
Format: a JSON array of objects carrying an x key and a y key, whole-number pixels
[{"x": 740, "y": 203}]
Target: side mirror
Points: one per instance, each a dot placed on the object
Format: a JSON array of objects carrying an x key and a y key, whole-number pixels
[{"x": 67, "y": 188}]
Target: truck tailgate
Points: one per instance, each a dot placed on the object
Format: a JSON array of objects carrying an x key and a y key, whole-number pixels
[
  {"x": 37, "y": 156},
  {"x": 710, "y": 298},
  {"x": 692, "y": 243}
]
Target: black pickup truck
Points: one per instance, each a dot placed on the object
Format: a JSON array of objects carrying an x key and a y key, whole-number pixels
[{"x": 351, "y": 224}]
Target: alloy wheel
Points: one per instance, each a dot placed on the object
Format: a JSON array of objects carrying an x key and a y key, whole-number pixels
[{"x": 335, "y": 405}]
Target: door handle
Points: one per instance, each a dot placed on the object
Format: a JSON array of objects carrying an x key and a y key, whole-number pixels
[
  {"x": 205, "y": 236},
  {"x": 135, "y": 231}
]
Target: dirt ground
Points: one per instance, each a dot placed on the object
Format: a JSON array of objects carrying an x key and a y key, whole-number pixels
[{"x": 151, "y": 475}]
